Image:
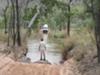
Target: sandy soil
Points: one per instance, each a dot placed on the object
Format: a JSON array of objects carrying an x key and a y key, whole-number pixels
[{"x": 10, "y": 67}]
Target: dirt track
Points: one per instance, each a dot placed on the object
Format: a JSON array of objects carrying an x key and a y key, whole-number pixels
[{"x": 10, "y": 67}]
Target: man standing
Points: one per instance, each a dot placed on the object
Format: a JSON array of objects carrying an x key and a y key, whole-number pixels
[{"x": 42, "y": 49}]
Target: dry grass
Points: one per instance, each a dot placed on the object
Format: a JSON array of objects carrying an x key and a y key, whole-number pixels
[
  {"x": 78, "y": 45},
  {"x": 82, "y": 47},
  {"x": 3, "y": 37}
]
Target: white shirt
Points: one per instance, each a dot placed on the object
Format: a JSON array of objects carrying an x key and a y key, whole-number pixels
[{"x": 42, "y": 46}]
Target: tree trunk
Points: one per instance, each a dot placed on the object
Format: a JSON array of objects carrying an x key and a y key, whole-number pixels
[
  {"x": 5, "y": 18},
  {"x": 97, "y": 34},
  {"x": 33, "y": 20},
  {"x": 18, "y": 26},
  {"x": 68, "y": 24},
  {"x": 13, "y": 23},
  {"x": 69, "y": 17},
  {"x": 97, "y": 27}
]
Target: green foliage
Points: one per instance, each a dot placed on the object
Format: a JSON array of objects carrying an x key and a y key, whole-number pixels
[
  {"x": 2, "y": 23},
  {"x": 29, "y": 12},
  {"x": 54, "y": 13},
  {"x": 49, "y": 4},
  {"x": 78, "y": 10}
]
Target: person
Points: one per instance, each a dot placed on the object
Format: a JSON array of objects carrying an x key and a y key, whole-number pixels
[
  {"x": 42, "y": 49},
  {"x": 44, "y": 30}
]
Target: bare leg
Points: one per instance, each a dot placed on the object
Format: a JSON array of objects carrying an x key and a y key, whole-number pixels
[
  {"x": 40, "y": 55},
  {"x": 44, "y": 55}
]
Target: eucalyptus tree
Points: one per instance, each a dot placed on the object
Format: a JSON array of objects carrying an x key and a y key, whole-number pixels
[
  {"x": 97, "y": 26},
  {"x": 18, "y": 24},
  {"x": 94, "y": 8},
  {"x": 69, "y": 17}
]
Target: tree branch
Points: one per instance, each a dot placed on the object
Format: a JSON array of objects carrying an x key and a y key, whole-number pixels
[{"x": 33, "y": 19}]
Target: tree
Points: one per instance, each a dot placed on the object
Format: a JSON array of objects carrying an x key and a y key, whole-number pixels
[
  {"x": 13, "y": 23},
  {"x": 69, "y": 18},
  {"x": 5, "y": 16},
  {"x": 18, "y": 24},
  {"x": 94, "y": 9},
  {"x": 97, "y": 27}
]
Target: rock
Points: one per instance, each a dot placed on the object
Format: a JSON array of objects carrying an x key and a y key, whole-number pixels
[{"x": 43, "y": 62}]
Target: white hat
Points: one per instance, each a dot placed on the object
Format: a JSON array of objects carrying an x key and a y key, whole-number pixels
[{"x": 45, "y": 25}]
